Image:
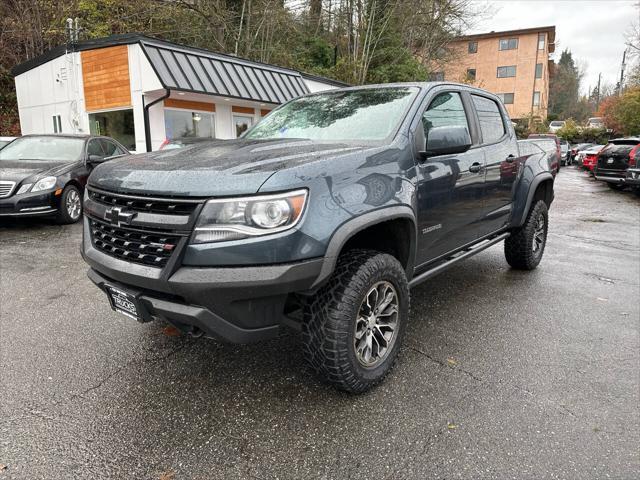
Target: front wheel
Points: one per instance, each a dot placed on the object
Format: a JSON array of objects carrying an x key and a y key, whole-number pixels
[
  {"x": 523, "y": 249},
  {"x": 70, "y": 209},
  {"x": 353, "y": 327}
]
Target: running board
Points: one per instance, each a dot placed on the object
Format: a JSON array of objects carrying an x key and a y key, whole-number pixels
[{"x": 456, "y": 257}]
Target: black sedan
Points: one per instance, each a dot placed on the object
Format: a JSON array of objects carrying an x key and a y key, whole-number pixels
[{"x": 45, "y": 175}]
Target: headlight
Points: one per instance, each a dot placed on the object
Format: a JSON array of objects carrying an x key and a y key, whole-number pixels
[
  {"x": 237, "y": 218},
  {"x": 24, "y": 188},
  {"x": 45, "y": 183}
]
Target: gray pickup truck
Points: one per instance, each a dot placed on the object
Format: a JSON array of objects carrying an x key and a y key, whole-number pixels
[{"x": 321, "y": 218}]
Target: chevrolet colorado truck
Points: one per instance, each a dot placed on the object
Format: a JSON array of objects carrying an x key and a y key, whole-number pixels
[{"x": 321, "y": 218}]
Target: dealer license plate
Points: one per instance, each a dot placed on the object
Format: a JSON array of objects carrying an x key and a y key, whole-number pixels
[{"x": 123, "y": 302}]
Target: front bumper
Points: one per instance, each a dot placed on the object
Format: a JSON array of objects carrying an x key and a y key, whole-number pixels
[
  {"x": 235, "y": 304},
  {"x": 29, "y": 204},
  {"x": 632, "y": 177}
]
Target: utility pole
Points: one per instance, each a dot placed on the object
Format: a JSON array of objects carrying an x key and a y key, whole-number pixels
[
  {"x": 622, "y": 67},
  {"x": 598, "y": 94}
]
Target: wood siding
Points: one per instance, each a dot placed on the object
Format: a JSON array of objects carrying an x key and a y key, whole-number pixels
[
  {"x": 190, "y": 105},
  {"x": 105, "y": 74},
  {"x": 264, "y": 112},
  {"x": 250, "y": 111}
]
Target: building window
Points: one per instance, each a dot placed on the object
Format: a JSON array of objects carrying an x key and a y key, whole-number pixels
[
  {"x": 491, "y": 123},
  {"x": 541, "y": 41},
  {"x": 242, "y": 123},
  {"x": 436, "y": 77},
  {"x": 116, "y": 124},
  {"x": 506, "y": 72},
  {"x": 536, "y": 99},
  {"x": 508, "y": 44},
  {"x": 507, "y": 98},
  {"x": 538, "y": 70},
  {"x": 471, "y": 74},
  {"x": 186, "y": 123},
  {"x": 57, "y": 124},
  {"x": 473, "y": 47}
]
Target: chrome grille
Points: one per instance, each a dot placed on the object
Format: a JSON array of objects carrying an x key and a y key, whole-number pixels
[
  {"x": 141, "y": 204},
  {"x": 6, "y": 188},
  {"x": 145, "y": 247}
]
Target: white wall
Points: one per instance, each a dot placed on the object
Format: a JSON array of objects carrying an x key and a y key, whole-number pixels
[
  {"x": 54, "y": 88},
  {"x": 143, "y": 79},
  {"x": 316, "y": 86}
]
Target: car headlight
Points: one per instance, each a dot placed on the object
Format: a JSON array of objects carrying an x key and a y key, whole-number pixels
[
  {"x": 236, "y": 218},
  {"x": 24, "y": 188},
  {"x": 45, "y": 183}
]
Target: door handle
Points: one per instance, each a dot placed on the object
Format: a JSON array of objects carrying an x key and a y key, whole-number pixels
[
  {"x": 510, "y": 159},
  {"x": 475, "y": 167}
]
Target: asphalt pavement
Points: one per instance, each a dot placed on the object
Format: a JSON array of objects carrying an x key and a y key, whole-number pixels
[{"x": 503, "y": 374}]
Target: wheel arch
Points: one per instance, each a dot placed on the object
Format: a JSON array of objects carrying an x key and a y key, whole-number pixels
[
  {"x": 381, "y": 230},
  {"x": 540, "y": 188}
]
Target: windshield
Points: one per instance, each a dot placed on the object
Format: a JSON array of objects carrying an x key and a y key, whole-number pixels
[
  {"x": 367, "y": 114},
  {"x": 556, "y": 124},
  {"x": 50, "y": 149}
]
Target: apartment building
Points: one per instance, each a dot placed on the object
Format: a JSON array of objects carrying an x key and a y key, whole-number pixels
[{"x": 513, "y": 64}]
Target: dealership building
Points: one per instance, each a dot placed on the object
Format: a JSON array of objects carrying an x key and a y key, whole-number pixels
[{"x": 143, "y": 91}]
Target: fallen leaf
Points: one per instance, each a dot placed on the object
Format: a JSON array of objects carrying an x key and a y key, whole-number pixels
[
  {"x": 171, "y": 331},
  {"x": 3, "y": 466},
  {"x": 451, "y": 361},
  {"x": 452, "y": 426},
  {"x": 168, "y": 475}
]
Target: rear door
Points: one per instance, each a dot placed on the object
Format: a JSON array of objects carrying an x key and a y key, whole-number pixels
[
  {"x": 501, "y": 152},
  {"x": 449, "y": 186}
]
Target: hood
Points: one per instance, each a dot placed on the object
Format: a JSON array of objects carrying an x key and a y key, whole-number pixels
[
  {"x": 217, "y": 168},
  {"x": 21, "y": 170}
]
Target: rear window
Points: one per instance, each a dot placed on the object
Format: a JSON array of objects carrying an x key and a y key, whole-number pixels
[
  {"x": 491, "y": 123},
  {"x": 619, "y": 148}
]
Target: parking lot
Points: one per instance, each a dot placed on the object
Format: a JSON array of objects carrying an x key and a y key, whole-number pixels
[{"x": 504, "y": 374}]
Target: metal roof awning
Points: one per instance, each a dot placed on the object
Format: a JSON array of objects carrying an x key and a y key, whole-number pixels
[{"x": 199, "y": 71}]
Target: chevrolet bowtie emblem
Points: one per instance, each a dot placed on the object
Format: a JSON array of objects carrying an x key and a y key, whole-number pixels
[{"x": 118, "y": 216}]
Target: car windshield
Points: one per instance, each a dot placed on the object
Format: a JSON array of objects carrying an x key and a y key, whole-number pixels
[
  {"x": 49, "y": 148},
  {"x": 366, "y": 114},
  {"x": 556, "y": 124}
]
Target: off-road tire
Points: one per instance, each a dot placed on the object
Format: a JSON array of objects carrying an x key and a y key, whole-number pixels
[
  {"x": 616, "y": 186},
  {"x": 329, "y": 320},
  {"x": 518, "y": 247},
  {"x": 64, "y": 216}
]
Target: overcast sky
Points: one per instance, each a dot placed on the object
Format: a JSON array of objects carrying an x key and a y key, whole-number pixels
[{"x": 592, "y": 29}]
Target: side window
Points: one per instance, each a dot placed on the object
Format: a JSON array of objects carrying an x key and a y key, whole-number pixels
[
  {"x": 491, "y": 122},
  {"x": 444, "y": 110},
  {"x": 94, "y": 148},
  {"x": 110, "y": 148}
]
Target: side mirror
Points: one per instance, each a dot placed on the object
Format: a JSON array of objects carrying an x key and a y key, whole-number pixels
[
  {"x": 447, "y": 141},
  {"x": 95, "y": 159}
]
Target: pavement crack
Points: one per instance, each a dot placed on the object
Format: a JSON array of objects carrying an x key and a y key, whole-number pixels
[{"x": 443, "y": 364}]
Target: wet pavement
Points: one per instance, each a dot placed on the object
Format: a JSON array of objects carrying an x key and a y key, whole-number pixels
[{"x": 504, "y": 374}]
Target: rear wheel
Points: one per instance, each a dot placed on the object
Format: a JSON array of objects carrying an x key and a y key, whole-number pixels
[
  {"x": 523, "y": 249},
  {"x": 353, "y": 327},
  {"x": 70, "y": 209}
]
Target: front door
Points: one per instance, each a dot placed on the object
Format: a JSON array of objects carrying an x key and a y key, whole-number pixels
[{"x": 449, "y": 186}]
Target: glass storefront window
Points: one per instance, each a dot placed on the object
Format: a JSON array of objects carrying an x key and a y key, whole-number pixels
[
  {"x": 116, "y": 124},
  {"x": 185, "y": 123},
  {"x": 242, "y": 124}
]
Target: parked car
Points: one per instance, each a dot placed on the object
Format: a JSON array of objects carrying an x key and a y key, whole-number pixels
[
  {"x": 45, "y": 175},
  {"x": 5, "y": 140},
  {"x": 556, "y": 125},
  {"x": 595, "y": 122},
  {"x": 632, "y": 178},
  {"x": 182, "y": 142},
  {"x": 588, "y": 158},
  {"x": 614, "y": 160},
  {"x": 551, "y": 144},
  {"x": 565, "y": 150},
  {"x": 575, "y": 149},
  {"x": 321, "y": 217}
]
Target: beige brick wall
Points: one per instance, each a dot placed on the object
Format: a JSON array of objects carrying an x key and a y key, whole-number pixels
[{"x": 487, "y": 60}]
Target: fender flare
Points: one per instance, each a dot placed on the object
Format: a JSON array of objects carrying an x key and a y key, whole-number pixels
[
  {"x": 351, "y": 227},
  {"x": 537, "y": 180}
]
